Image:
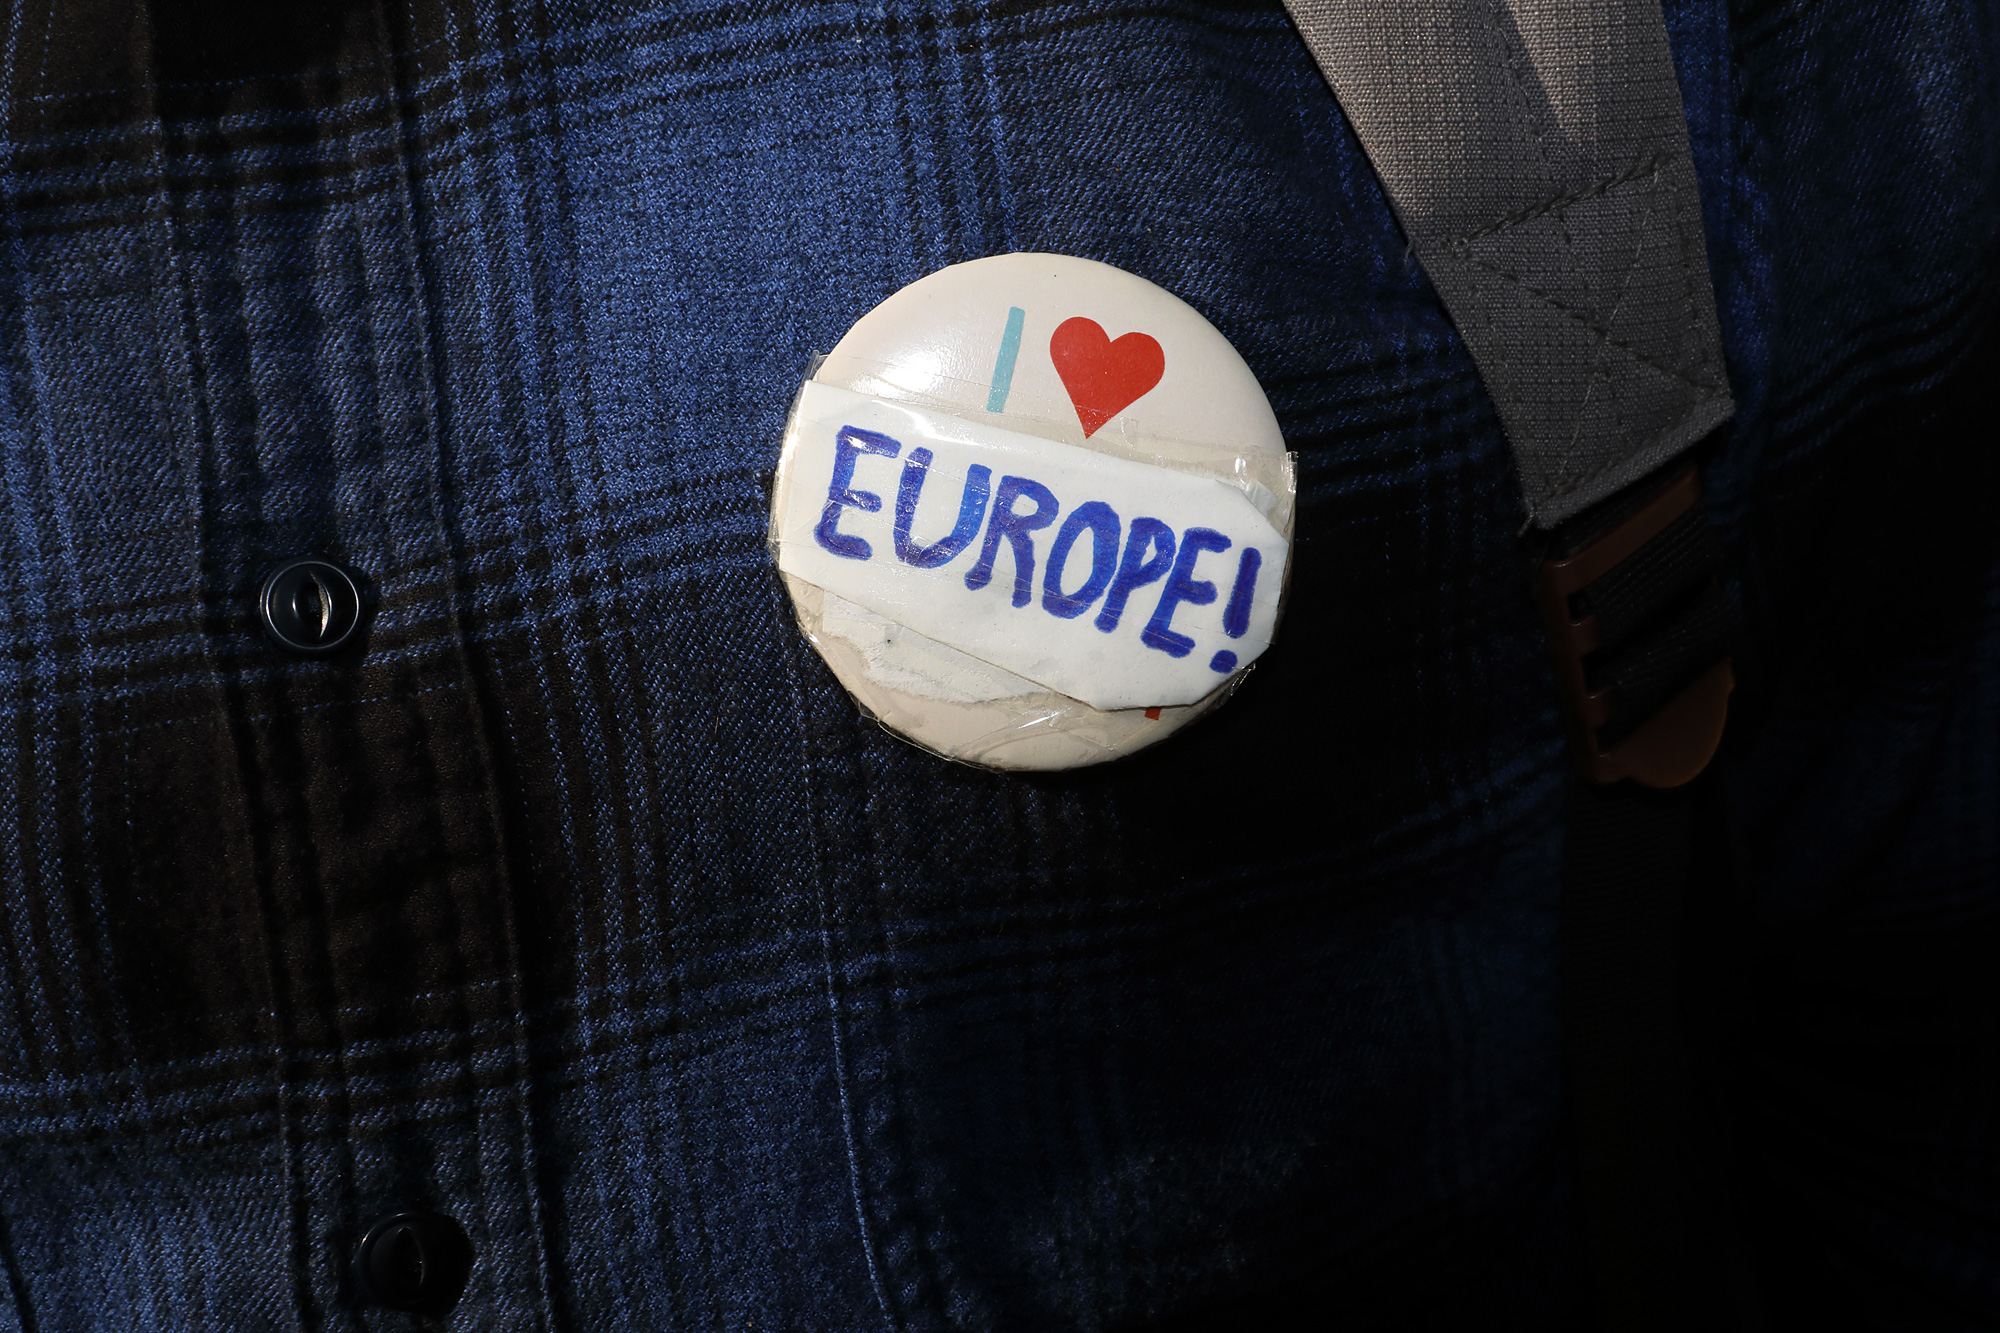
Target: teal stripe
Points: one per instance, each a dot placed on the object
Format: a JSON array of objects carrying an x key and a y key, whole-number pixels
[{"x": 1003, "y": 367}]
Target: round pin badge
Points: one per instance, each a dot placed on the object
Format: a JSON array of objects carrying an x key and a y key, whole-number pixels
[{"x": 1034, "y": 512}]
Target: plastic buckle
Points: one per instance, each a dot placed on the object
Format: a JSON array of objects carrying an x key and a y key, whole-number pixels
[{"x": 1673, "y": 745}]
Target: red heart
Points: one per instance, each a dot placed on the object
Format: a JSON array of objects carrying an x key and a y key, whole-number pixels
[{"x": 1103, "y": 377}]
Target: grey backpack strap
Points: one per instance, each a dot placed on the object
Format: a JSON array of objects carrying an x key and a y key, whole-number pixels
[{"x": 1537, "y": 155}]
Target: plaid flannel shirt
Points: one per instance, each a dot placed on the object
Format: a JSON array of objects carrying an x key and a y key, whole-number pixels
[{"x": 581, "y": 905}]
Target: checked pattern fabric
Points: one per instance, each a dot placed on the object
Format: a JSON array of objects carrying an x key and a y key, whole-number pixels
[{"x": 580, "y": 904}]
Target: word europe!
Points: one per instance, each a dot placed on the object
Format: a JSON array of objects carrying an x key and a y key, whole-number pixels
[{"x": 1151, "y": 552}]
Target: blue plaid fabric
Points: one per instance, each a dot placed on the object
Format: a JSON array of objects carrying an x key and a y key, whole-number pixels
[{"x": 582, "y": 906}]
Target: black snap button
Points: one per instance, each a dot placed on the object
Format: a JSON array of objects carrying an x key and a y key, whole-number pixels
[
  {"x": 416, "y": 1261},
  {"x": 310, "y": 606}
]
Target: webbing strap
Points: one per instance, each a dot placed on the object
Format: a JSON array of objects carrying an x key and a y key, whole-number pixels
[{"x": 1537, "y": 155}]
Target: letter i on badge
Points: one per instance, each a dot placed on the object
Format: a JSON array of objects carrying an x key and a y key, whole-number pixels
[{"x": 1034, "y": 512}]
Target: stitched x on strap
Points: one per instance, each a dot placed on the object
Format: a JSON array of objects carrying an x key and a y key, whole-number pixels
[{"x": 1537, "y": 155}]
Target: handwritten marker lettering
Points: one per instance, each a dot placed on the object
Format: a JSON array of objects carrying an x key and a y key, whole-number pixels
[
  {"x": 1148, "y": 553},
  {"x": 1052, "y": 516},
  {"x": 849, "y": 446},
  {"x": 1182, "y": 586},
  {"x": 1236, "y": 619},
  {"x": 1101, "y": 520},
  {"x": 971, "y": 509},
  {"x": 1019, "y": 530}
]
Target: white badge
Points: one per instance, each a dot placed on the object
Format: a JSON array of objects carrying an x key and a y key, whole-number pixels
[{"x": 1034, "y": 512}]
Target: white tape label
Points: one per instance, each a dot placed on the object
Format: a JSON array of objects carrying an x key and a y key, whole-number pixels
[{"x": 1119, "y": 583}]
